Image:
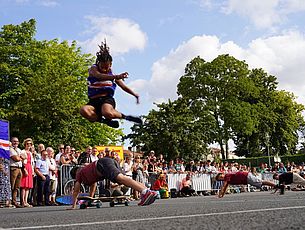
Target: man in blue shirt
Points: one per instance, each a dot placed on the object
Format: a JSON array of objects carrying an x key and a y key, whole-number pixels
[{"x": 43, "y": 179}]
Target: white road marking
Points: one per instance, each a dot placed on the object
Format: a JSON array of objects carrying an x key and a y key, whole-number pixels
[{"x": 160, "y": 218}]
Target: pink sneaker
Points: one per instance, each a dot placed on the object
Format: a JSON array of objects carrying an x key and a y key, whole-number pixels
[{"x": 148, "y": 198}]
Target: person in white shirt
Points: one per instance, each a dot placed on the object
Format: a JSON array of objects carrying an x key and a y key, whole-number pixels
[
  {"x": 128, "y": 167},
  {"x": 53, "y": 175},
  {"x": 43, "y": 178},
  {"x": 93, "y": 155},
  {"x": 16, "y": 159},
  {"x": 210, "y": 168},
  {"x": 61, "y": 150}
]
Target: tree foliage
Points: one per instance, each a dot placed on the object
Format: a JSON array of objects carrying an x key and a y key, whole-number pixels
[
  {"x": 43, "y": 85},
  {"x": 225, "y": 100},
  {"x": 173, "y": 131}
]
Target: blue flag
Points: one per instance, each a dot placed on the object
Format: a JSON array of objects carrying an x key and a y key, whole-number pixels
[{"x": 4, "y": 140}]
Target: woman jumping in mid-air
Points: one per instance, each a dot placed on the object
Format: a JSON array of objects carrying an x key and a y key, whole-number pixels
[{"x": 101, "y": 87}]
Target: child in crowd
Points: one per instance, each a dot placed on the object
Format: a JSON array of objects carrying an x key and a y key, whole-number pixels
[
  {"x": 101, "y": 88},
  {"x": 161, "y": 186},
  {"x": 108, "y": 168}
]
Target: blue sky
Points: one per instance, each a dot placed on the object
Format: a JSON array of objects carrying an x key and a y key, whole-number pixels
[{"x": 154, "y": 40}]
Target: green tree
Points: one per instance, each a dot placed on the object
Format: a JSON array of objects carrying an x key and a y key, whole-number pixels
[
  {"x": 44, "y": 97},
  {"x": 241, "y": 104},
  {"x": 15, "y": 53},
  {"x": 215, "y": 89},
  {"x": 171, "y": 130}
]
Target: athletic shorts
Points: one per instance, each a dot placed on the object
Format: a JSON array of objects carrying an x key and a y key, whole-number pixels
[
  {"x": 98, "y": 102},
  {"x": 108, "y": 168},
  {"x": 254, "y": 181}
]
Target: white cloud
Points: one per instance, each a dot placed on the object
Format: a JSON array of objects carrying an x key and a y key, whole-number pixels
[
  {"x": 48, "y": 3},
  {"x": 122, "y": 35},
  {"x": 293, "y": 6},
  {"x": 206, "y": 4},
  {"x": 22, "y": 1},
  {"x": 263, "y": 14},
  {"x": 282, "y": 56}
]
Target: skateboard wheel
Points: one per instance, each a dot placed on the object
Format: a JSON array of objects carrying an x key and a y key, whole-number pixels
[
  {"x": 83, "y": 206},
  {"x": 98, "y": 205},
  {"x": 111, "y": 204},
  {"x": 126, "y": 203}
]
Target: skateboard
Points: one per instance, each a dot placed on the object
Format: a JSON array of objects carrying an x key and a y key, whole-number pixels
[{"x": 87, "y": 201}]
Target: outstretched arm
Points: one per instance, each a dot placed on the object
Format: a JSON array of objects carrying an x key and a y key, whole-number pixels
[
  {"x": 127, "y": 89},
  {"x": 223, "y": 189},
  {"x": 76, "y": 191},
  {"x": 93, "y": 71}
]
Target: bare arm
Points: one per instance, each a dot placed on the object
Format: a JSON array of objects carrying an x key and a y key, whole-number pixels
[
  {"x": 93, "y": 71},
  {"x": 127, "y": 89},
  {"x": 18, "y": 158},
  {"x": 223, "y": 189},
  {"x": 76, "y": 191},
  {"x": 64, "y": 161}
]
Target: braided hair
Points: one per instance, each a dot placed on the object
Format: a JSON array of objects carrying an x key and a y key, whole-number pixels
[{"x": 103, "y": 55}]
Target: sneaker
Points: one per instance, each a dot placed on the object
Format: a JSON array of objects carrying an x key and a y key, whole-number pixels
[
  {"x": 111, "y": 123},
  {"x": 148, "y": 198},
  {"x": 134, "y": 119}
]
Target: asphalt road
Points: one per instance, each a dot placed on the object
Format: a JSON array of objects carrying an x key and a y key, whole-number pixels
[{"x": 255, "y": 210}]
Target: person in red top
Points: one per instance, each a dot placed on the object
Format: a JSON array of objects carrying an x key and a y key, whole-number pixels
[
  {"x": 240, "y": 178},
  {"x": 108, "y": 168},
  {"x": 161, "y": 186},
  {"x": 26, "y": 183}
]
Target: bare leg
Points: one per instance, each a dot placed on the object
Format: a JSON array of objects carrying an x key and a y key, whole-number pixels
[
  {"x": 26, "y": 195},
  {"x": 22, "y": 196},
  {"x": 88, "y": 112},
  {"x": 109, "y": 112},
  {"x": 129, "y": 182},
  {"x": 92, "y": 189},
  {"x": 135, "y": 195},
  {"x": 75, "y": 193},
  {"x": 269, "y": 183}
]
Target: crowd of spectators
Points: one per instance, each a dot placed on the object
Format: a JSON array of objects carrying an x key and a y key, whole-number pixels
[{"x": 32, "y": 174}]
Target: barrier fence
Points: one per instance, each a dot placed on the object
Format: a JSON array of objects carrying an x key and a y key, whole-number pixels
[{"x": 200, "y": 181}]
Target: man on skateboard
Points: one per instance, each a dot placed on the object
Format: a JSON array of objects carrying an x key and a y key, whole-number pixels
[
  {"x": 108, "y": 168},
  {"x": 288, "y": 178},
  {"x": 240, "y": 178}
]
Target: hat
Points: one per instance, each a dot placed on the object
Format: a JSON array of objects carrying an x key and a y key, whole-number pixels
[{"x": 27, "y": 140}]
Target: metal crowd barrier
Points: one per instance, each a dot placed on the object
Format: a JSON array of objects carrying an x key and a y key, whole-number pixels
[
  {"x": 201, "y": 182},
  {"x": 63, "y": 177},
  {"x": 268, "y": 177},
  {"x": 174, "y": 180}
]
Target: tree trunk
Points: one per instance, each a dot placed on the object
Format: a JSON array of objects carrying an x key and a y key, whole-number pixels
[
  {"x": 227, "y": 150},
  {"x": 223, "y": 156}
]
